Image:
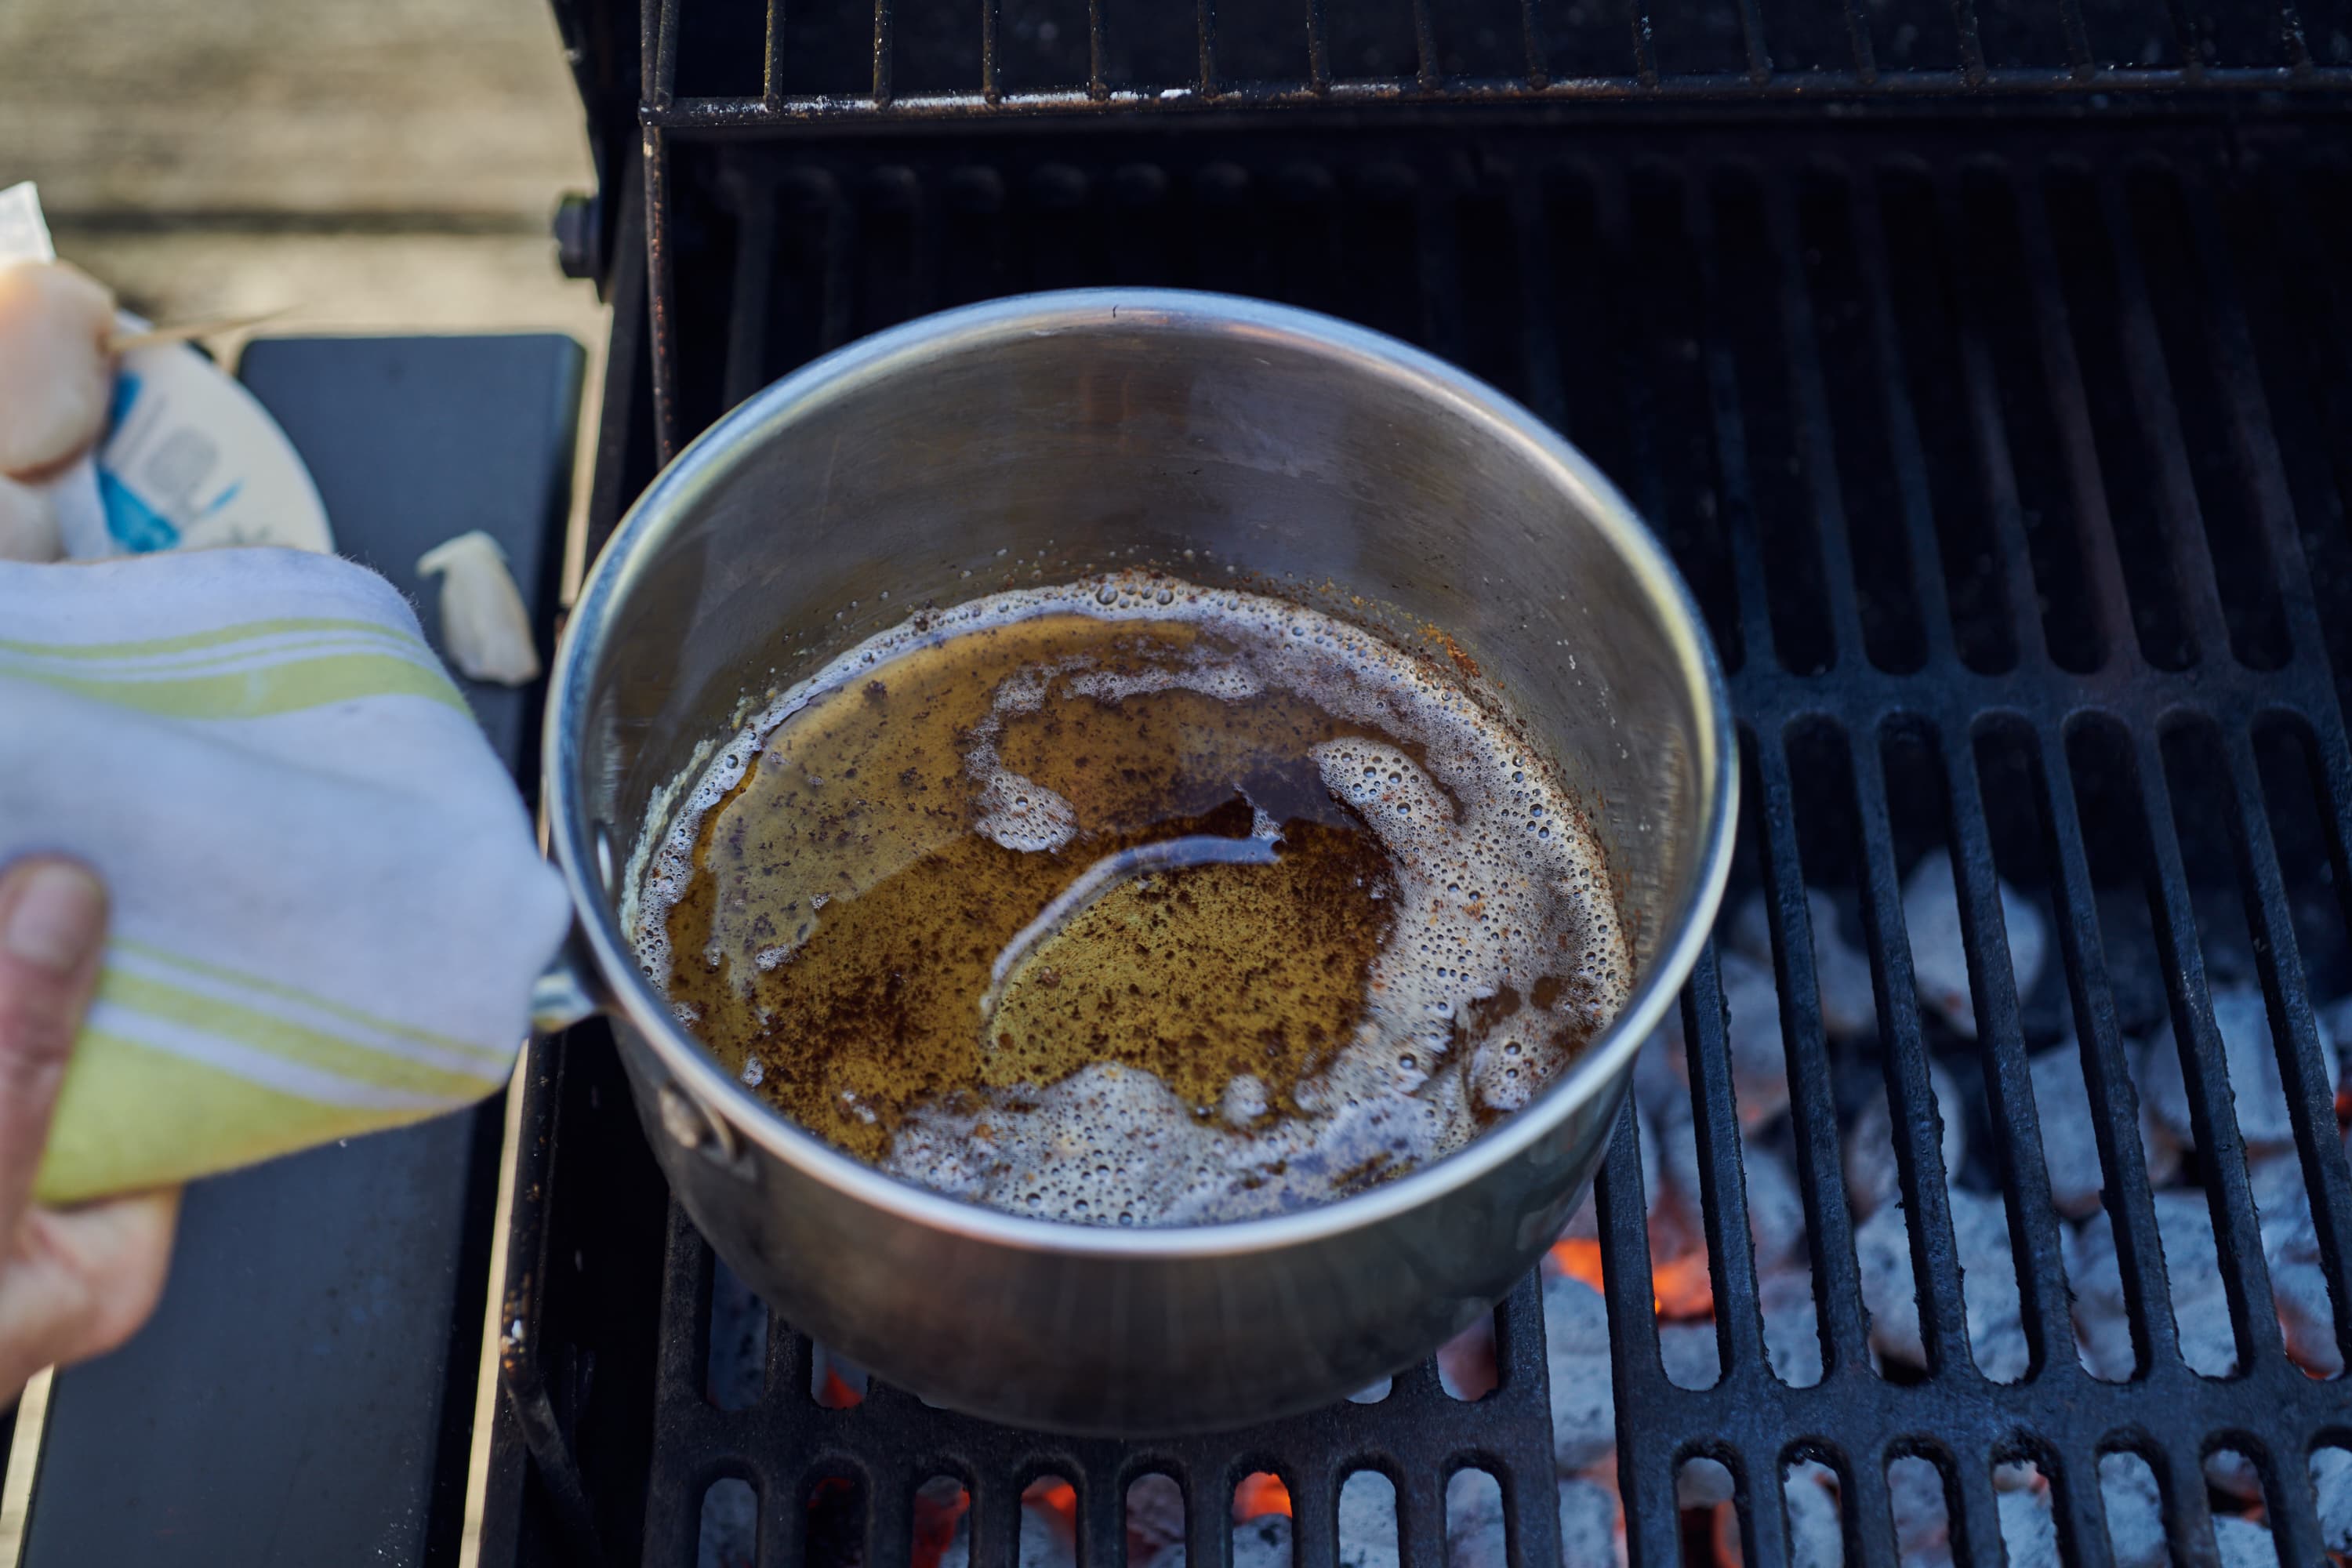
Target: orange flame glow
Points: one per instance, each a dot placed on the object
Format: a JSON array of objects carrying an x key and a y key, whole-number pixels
[
  {"x": 1258, "y": 1495},
  {"x": 1053, "y": 1493},
  {"x": 1578, "y": 1259},
  {"x": 935, "y": 1523},
  {"x": 837, "y": 1395},
  {"x": 1684, "y": 1284},
  {"x": 1685, "y": 1281}
]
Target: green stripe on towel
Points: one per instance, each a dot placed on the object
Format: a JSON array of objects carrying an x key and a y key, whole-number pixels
[
  {"x": 260, "y": 692},
  {"x": 498, "y": 1060},
  {"x": 216, "y": 637},
  {"x": 351, "y": 1060}
]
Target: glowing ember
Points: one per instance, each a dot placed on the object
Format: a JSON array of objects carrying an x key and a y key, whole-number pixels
[
  {"x": 935, "y": 1523},
  {"x": 1055, "y": 1495},
  {"x": 1579, "y": 1259},
  {"x": 1685, "y": 1278},
  {"x": 1258, "y": 1495}
]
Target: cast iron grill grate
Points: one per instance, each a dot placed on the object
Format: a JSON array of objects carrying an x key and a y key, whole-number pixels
[
  {"x": 2008, "y": 464},
  {"x": 869, "y": 62}
]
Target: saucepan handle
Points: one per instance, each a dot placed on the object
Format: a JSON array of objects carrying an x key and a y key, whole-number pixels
[{"x": 570, "y": 990}]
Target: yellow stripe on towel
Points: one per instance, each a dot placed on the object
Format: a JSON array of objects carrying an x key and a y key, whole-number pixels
[
  {"x": 125, "y": 1114},
  {"x": 259, "y": 692},
  {"x": 499, "y": 1061},
  {"x": 216, "y": 636}
]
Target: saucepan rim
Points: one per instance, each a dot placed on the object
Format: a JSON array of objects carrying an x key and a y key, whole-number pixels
[{"x": 675, "y": 494}]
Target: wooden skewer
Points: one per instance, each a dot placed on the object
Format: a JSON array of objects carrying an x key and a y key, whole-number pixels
[{"x": 184, "y": 332}]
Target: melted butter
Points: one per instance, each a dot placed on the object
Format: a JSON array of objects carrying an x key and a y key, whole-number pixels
[
  {"x": 1133, "y": 901},
  {"x": 844, "y": 916}
]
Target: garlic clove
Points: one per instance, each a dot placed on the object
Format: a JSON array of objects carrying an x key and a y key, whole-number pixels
[{"x": 484, "y": 625}]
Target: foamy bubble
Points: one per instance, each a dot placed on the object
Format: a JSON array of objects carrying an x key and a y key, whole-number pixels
[
  {"x": 1504, "y": 954},
  {"x": 1023, "y": 815}
]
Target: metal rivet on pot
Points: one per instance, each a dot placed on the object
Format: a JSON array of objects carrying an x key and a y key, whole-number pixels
[
  {"x": 681, "y": 1118},
  {"x": 603, "y": 840}
]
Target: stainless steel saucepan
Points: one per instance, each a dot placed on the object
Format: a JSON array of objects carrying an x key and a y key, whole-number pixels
[{"x": 1036, "y": 436}]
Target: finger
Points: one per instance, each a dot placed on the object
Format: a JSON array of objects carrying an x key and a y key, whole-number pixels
[
  {"x": 54, "y": 374},
  {"x": 80, "y": 1281},
  {"x": 52, "y": 934}
]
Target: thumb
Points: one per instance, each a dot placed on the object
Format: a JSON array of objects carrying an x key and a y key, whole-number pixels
[{"x": 52, "y": 936}]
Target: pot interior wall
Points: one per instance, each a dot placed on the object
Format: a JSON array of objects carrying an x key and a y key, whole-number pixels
[{"x": 1008, "y": 456}]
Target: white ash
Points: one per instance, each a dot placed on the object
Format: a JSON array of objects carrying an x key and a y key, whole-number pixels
[
  {"x": 1760, "y": 1064},
  {"x": 2333, "y": 1020},
  {"x": 2233, "y": 1475},
  {"x": 1465, "y": 1363},
  {"x": 1588, "y": 1534},
  {"x": 1703, "y": 1483},
  {"x": 1815, "y": 1535},
  {"x": 2016, "y": 1476},
  {"x": 1155, "y": 1517},
  {"x": 2243, "y": 1544},
  {"x": 2291, "y": 1252},
  {"x": 1155, "y": 1527},
  {"x": 2029, "y": 1530},
  {"x": 729, "y": 1533},
  {"x": 1841, "y": 970},
  {"x": 1939, "y": 965},
  {"x": 1915, "y": 1497},
  {"x": 1775, "y": 1207},
  {"x": 1988, "y": 1284},
  {"x": 1792, "y": 1335},
  {"x": 2200, "y": 1311},
  {"x": 2070, "y": 1147},
  {"x": 1368, "y": 1522},
  {"x": 1474, "y": 1533},
  {"x": 1689, "y": 1353},
  {"x": 1809, "y": 1493},
  {"x": 2135, "y": 1511},
  {"x": 2257, "y": 1095},
  {"x": 1576, "y": 1348},
  {"x": 1692, "y": 1357},
  {"x": 2331, "y": 1479},
  {"x": 1262, "y": 1542},
  {"x": 1873, "y": 1178},
  {"x": 1047, "y": 1543}
]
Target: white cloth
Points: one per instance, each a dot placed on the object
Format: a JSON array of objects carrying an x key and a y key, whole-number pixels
[{"x": 329, "y": 905}]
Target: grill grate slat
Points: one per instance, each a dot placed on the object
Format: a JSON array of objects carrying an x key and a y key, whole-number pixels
[
  {"x": 2114, "y": 1100},
  {"x": 2047, "y": 1315},
  {"x": 1829, "y": 1224},
  {"x": 1739, "y": 1321},
  {"x": 1935, "y": 1265},
  {"x": 2237, "y": 1233},
  {"x": 2192, "y": 580}
]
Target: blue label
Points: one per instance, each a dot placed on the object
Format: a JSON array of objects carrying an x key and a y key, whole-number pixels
[{"x": 136, "y": 526}]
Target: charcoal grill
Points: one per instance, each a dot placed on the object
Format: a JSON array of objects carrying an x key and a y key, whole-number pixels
[{"x": 1986, "y": 368}]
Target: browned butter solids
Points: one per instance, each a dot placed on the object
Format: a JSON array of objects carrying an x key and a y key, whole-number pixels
[{"x": 1132, "y": 901}]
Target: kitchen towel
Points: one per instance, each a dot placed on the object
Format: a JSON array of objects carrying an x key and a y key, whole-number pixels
[{"x": 329, "y": 905}]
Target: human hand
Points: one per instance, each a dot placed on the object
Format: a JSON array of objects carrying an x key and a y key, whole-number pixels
[
  {"x": 74, "y": 1283},
  {"x": 55, "y": 379}
]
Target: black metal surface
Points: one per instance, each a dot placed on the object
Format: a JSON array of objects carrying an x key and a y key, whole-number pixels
[
  {"x": 786, "y": 1445},
  {"x": 735, "y": 65},
  {"x": 305, "y": 1393},
  {"x": 1996, "y": 409}
]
